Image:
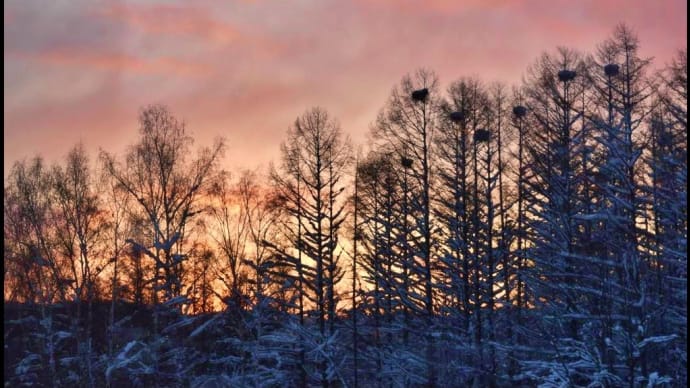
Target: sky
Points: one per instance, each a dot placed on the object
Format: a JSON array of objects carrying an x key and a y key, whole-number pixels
[{"x": 81, "y": 70}]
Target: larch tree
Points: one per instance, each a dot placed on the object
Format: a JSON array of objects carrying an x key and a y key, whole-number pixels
[
  {"x": 454, "y": 196},
  {"x": 406, "y": 126},
  {"x": 633, "y": 329},
  {"x": 556, "y": 273},
  {"x": 669, "y": 171},
  {"x": 464, "y": 113},
  {"x": 315, "y": 158},
  {"x": 377, "y": 191}
]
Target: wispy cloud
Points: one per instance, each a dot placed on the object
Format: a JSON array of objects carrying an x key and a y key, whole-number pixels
[
  {"x": 114, "y": 61},
  {"x": 171, "y": 20}
]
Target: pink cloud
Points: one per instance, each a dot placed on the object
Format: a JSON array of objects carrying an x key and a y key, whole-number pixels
[
  {"x": 247, "y": 69},
  {"x": 173, "y": 21},
  {"x": 438, "y": 5},
  {"x": 115, "y": 62}
]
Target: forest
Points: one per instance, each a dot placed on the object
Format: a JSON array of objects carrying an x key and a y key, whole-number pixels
[{"x": 487, "y": 236}]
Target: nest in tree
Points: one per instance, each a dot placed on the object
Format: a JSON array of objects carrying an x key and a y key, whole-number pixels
[
  {"x": 406, "y": 162},
  {"x": 566, "y": 75},
  {"x": 420, "y": 95},
  {"x": 457, "y": 117},
  {"x": 520, "y": 111},
  {"x": 665, "y": 139},
  {"x": 611, "y": 69},
  {"x": 481, "y": 135}
]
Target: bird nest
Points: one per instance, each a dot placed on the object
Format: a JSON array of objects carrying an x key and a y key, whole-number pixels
[
  {"x": 566, "y": 75},
  {"x": 420, "y": 95},
  {"x": 519, "y": 111}
]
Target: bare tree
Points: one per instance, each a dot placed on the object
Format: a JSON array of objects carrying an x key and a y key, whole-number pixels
[
  {"x": 116, "y": 204},
  {"x": 229, "y": 231},
  {"x": 27, "y": 206},
  {"x": 79, "y": 228},
  {"x": 165, "y": 184}
]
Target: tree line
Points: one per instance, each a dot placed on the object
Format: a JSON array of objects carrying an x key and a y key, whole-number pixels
[{"x": 488, "y": 236}]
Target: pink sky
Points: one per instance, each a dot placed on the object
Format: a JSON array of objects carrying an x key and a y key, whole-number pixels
[{"x": 81, "y": 70}]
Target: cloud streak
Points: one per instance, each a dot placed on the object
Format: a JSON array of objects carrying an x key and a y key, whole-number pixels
[
  {"x": 118, "y": 62},
  {"x": 170, "y": 20}
]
